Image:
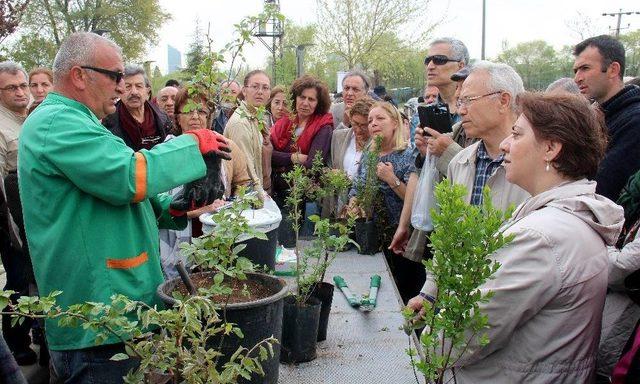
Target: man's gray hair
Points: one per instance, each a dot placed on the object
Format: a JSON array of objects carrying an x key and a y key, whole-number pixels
[
  {"x": 78, "y": 49},
  {"x": 565, "y": 84},
  {"x": 132, "y": 70},
  {"x": 12, "y": 68},
  {"x": 459, "y": 51},
  {"x": 502, "y": 77},
  {"x": 360, "y": 74}
]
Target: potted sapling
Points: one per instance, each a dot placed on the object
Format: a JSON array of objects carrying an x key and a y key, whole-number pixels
[
  {"x": 302, "y": 309},
  {"x": 459, "y": 267},
  {"x": 366, "y": 198},
  {"x": 171, "y": 345},
  {"x": 253, "y": 302}
]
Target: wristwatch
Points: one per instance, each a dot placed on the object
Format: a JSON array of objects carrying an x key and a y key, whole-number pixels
[{"x": 396, "y": 184}]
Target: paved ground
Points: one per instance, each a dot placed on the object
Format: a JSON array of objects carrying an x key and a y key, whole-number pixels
[{"x": 361, "y": 347}]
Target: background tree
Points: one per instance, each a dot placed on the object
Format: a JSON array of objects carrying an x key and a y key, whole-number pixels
[
  {"x": 357, "y": 30},
  {"x": 197, "y": 50},
  {"x": 583, "y": 26},
  {"x": 10, "y": 13},
  {"x": 631, "y": 42},
  {"x": 132, "y": 24},
  {"x": 538, "y": 63}
]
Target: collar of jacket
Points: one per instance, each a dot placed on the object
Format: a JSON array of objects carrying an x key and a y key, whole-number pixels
[
  {"x": 53, "y": 97},
  {"x": 629, "y": 94}
]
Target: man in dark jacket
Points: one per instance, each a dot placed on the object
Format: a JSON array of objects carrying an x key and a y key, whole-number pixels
[
  {"x": 599, "y": 69},
  {"x": 136, "y": 121}
]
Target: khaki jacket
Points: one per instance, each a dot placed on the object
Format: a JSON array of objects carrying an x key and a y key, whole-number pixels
[
  {"x": 10, "y": 127},
  {"x": 548, "y": 294},
  {"x": 339, "y": 144},
  {"x": 243, "y": 128},
  {"x": 235, "y": 170},
  {"x": 462, "y": 170}
]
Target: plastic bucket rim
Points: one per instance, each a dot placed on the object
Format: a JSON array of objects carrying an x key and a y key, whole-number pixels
[{"x": 246, "y": 305}]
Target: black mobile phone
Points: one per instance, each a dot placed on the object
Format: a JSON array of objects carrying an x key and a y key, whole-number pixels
[{"x": 435, "y": 116}]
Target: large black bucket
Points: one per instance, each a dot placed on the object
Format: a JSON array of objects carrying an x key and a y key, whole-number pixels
[
  {"x": 299, "y": 330},
  {"x": 262, "y": 252},
  {"x": 258, "y": 320}
]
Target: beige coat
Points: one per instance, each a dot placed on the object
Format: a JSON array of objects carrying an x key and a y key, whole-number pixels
[
  {"x": 235, "y": 170},
  {"x": 243, "y": 128},
  {"x": 339, "y": 144},
  {"x": 462, "y": 170},
  {"x": 548, "y": 294},
  {"x": 10, "y": 127}
]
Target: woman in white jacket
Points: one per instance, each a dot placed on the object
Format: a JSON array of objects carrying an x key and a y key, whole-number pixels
[{"x": 545, "y": 314}]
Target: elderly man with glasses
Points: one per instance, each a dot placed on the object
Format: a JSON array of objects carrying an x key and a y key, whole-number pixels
[{"x": 14, "y": 102}]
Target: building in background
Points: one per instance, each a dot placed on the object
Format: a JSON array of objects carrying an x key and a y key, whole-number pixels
[{"x": 174, "y": 59}]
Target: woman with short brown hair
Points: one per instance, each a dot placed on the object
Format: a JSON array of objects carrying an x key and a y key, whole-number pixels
[{"x": 548, "y": 293}]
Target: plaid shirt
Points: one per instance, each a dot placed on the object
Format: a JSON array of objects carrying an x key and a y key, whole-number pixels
[{"x": 485, "y": 167}]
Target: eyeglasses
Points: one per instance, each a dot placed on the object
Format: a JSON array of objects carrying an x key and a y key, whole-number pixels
[
  {"x": 438, "y": 60},
  {"x": 257, "y": 87},
  {"x": 114, "y": 75},
  {"x": 465, "y": 101},
  {"x": 201, "y": 112},
  {"x": 14, "y": 88}
]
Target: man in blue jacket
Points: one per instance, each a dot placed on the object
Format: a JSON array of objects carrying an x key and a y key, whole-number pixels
[{"x": 599, "y": 69}]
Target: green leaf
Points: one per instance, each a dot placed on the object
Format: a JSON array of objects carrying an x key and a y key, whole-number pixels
[{"x": 119, "y": 357}]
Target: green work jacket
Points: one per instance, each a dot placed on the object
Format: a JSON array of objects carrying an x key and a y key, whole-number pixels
[{"x": 92, "y": 208}]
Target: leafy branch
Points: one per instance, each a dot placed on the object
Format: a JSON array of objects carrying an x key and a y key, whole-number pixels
[{"x": 463, "y": 240}]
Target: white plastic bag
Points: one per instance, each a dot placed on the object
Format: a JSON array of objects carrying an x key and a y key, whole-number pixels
[{"x": 424, "y": 199}]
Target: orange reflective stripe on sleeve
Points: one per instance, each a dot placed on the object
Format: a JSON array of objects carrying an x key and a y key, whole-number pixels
[
  {"x": 128, "y": 263},
  {"x": 140, "y": 178}
]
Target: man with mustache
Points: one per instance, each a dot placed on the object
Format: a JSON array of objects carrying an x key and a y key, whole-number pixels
[{"x": 138, "y": 122}]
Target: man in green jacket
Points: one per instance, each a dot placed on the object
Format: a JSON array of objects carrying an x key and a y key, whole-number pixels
[{"x": 92, "y": 206}]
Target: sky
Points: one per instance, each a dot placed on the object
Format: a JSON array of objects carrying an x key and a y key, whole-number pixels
[{"x": 508, "y": 22}]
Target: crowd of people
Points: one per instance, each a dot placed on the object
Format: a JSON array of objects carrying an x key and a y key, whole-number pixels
[{"x": 106, "y": 192}]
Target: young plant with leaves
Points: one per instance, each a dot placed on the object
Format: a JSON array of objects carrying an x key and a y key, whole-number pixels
[
  {"x": 463, "y": 240},
  {"x": 177, "y": 351},
  {"x": 368, "y": 188},
  {"x": 312, "y": 261}
]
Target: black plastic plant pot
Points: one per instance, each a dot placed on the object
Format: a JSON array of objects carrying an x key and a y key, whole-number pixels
[
  {"x": 262, "y": 252},
  {"x": 299, "y": 330},
  {"x": 323, "y": 292},
  {"x": 367, "y": 237},
  {"x": 286, "y": 232},
  {"x": 257, "y": 319}
]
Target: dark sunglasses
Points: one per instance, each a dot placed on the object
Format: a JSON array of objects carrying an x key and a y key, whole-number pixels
[
  {"x": 438, "y": 60},
  {"x": 114, "y": 75}
]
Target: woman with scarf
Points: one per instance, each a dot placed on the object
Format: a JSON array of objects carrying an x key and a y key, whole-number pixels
[{"x": 297, "y": 139}]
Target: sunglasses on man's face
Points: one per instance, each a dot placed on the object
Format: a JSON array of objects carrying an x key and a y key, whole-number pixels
[
  {"x": 114, "y": 75},
  {"x": 438, "y": 60}
]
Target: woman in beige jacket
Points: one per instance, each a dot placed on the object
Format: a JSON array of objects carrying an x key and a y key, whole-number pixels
[
  {"x": 548, "y": 294},
  {"x": 250, "y": 129}
]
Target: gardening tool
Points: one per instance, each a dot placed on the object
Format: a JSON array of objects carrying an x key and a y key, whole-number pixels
[
  {"x": 182, "y": 271},
  {"x": 369, "y": 303},
  {"x": 351, "y": 298}
]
